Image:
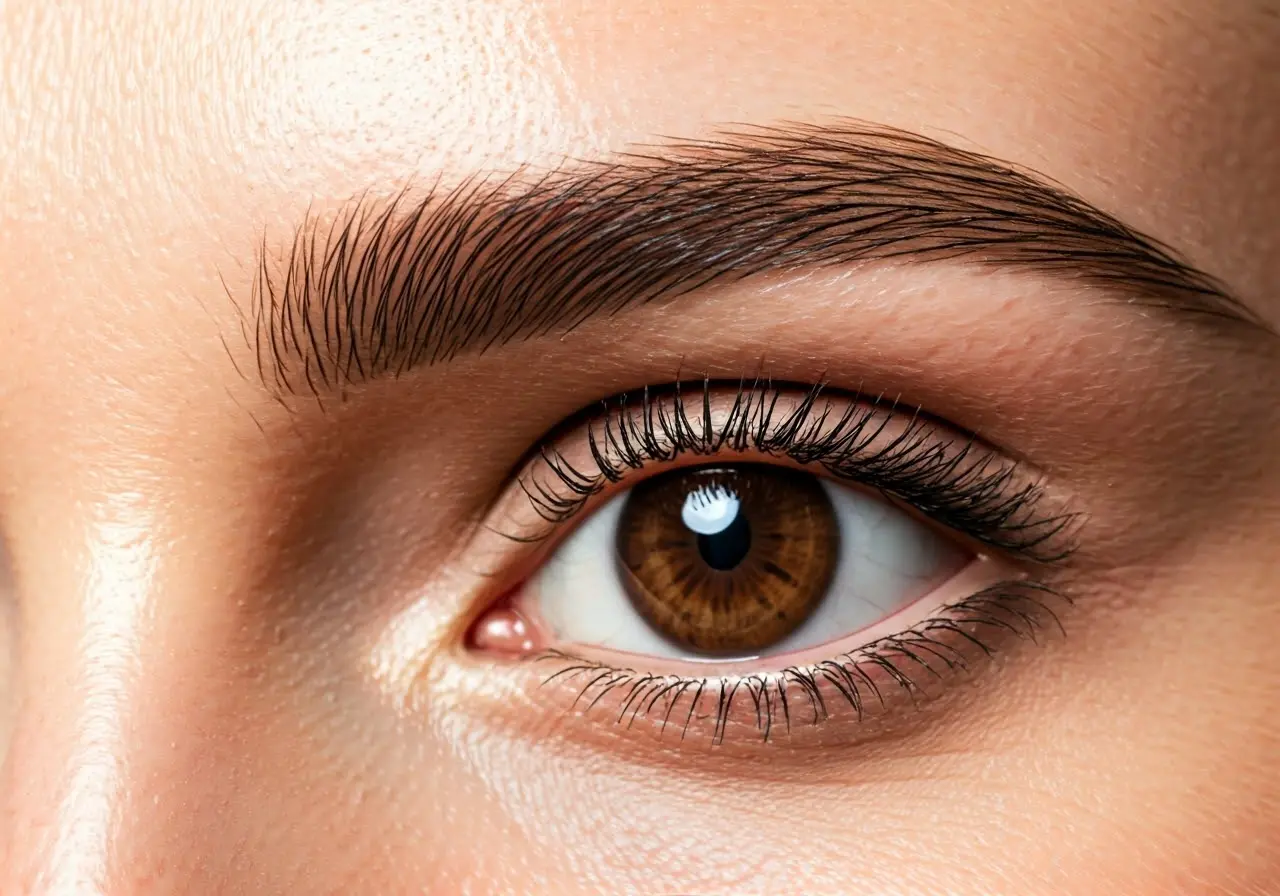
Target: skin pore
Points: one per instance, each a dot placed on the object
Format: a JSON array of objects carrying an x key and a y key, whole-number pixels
[{"x": 236, "y": 604}]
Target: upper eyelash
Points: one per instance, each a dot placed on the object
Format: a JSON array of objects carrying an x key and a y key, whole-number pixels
[{"x": 976, "y": 495}]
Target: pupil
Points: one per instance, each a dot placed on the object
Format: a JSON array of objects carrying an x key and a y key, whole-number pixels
[{"x": 724, "y": 535}]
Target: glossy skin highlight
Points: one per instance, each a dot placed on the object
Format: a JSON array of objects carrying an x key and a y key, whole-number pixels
[{"x": 237, "y": 627}]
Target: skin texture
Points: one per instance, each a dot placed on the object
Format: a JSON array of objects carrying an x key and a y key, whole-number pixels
[{"x": 234, "y": 624}]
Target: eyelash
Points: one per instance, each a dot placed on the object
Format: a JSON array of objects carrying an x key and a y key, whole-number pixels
[
  {"x": 976, "y": 497},
  {"x": 858, "y": 677},
  {"x": 958, "y": 485}
]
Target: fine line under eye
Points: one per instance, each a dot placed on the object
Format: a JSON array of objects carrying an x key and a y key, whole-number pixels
[{"x": 951, "y": 479}]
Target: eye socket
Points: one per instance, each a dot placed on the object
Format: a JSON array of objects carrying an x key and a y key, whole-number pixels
[
  {"x": 719, "y": 576},
  {"x": 736, "y": 562}
]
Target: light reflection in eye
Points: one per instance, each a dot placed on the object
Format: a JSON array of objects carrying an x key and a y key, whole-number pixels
[
  {"x": 709, "y": 511},
  {"x": 735, "y": 562}
]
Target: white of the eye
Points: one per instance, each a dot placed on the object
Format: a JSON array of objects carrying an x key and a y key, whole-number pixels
[
  {"x": 709, "y": 511},
  {"x": 580, "y": 597},
  {"x": 887, "y": 560}
]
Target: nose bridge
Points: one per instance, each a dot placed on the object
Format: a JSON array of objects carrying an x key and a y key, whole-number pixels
[{"x": 81, "y": 690}]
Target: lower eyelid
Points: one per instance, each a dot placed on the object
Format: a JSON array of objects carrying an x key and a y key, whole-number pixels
[{"x": 837, "y": 699}]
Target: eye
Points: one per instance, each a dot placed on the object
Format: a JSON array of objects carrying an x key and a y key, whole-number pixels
[
  {"x": 739, "y": 558},
  {"x": 734, "y": 562}
]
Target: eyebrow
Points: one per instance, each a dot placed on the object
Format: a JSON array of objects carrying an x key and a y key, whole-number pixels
[{"x": 428, "y": 275}]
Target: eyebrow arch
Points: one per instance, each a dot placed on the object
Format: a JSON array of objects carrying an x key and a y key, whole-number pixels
[{"x": 423, "y": 277}]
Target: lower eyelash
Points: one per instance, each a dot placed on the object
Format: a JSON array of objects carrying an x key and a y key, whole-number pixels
[{"x": 863, "y": 680}]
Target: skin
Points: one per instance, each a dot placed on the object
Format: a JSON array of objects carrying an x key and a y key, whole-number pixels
[{"x": 234, "y": 625}]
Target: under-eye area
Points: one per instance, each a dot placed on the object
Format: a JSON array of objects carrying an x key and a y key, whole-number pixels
[{"x": 718, "y": 559}]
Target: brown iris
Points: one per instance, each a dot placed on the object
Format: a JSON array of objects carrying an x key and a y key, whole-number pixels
[{"x": 728, "y": 560}]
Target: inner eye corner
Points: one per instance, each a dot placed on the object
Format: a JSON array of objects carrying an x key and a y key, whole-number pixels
[{"x": 503, "y": 629}]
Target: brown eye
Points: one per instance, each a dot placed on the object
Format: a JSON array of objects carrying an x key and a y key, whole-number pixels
[
  {"x": 733, "y": 561},
  {"x": 727, "y": 560}
]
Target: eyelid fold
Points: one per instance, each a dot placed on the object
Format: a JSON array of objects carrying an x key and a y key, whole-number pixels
[{"x": 820, "y": 699}]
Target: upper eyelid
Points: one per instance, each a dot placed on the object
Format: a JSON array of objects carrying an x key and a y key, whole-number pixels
[{"x": 1003, "y": 495}]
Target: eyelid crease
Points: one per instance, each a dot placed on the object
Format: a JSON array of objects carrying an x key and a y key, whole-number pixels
[{"x": 956, "y": 483}]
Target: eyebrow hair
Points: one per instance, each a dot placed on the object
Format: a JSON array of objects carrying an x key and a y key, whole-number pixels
[{"x": 419, "y": 279}]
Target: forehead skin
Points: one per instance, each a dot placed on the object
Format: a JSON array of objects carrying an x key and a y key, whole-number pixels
[
  {"x": 148, "y": 146},
  {"x": 178, "y": 136}
]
